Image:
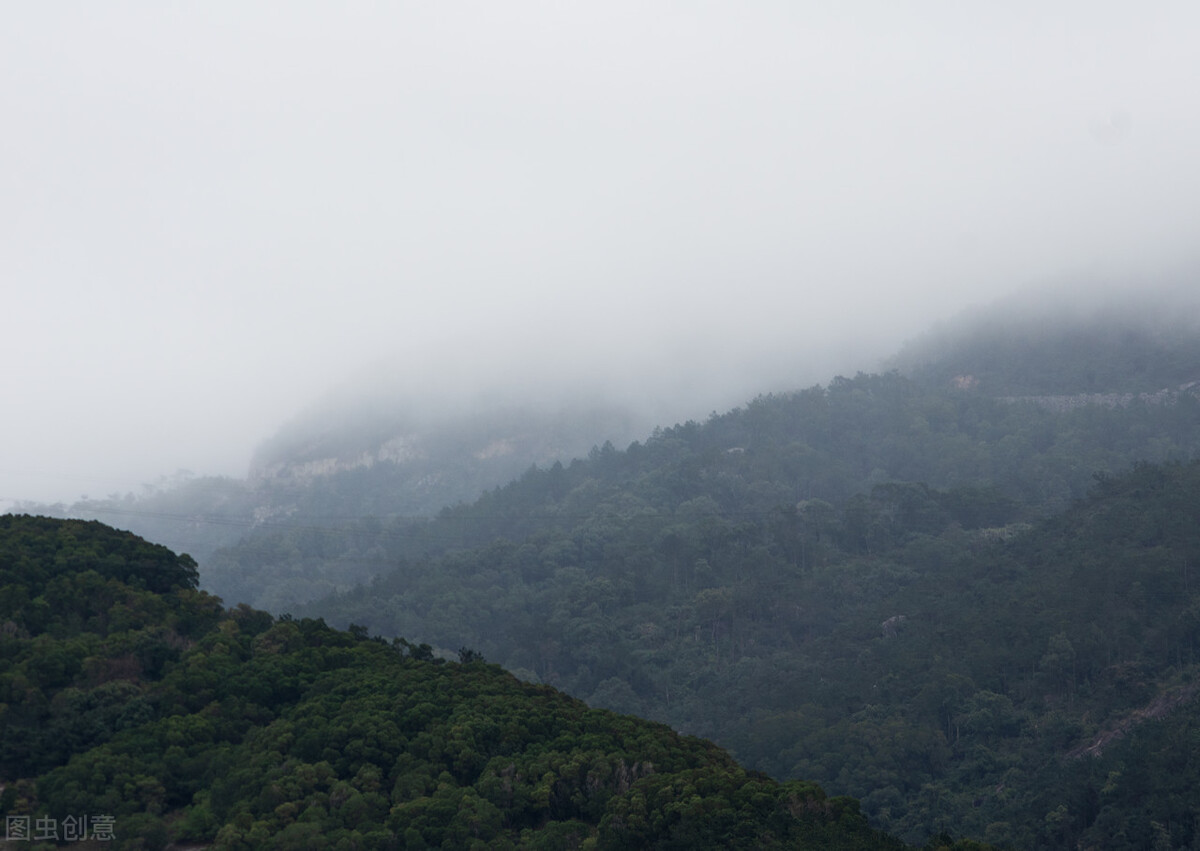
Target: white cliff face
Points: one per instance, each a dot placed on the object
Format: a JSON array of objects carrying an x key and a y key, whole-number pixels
[
  {"x": 337, "y": 464},
  {"x": 398, "y": 450},
  {"x": 402, "y": 447},
  {"x": 495, "y": 449}
]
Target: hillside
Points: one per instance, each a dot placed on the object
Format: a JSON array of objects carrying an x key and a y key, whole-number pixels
[
  {"x": 137, "y": 703},
  {"x": 839, "y": 584},
  {"x": 911, "y": 642}
]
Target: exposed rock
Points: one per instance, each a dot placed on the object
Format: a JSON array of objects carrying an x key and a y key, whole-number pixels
[{"x": 1160, "y": 707}]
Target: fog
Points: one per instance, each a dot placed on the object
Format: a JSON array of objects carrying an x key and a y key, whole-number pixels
[{"x": 213, "y": 214}]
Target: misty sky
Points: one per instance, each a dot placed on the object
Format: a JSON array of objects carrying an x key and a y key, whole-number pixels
[{"x": 211, "y": 213}]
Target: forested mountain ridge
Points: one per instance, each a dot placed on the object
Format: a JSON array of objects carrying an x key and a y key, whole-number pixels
[
  {"x": 138, "y": 709},
  {"x": 914, "y": 647}
]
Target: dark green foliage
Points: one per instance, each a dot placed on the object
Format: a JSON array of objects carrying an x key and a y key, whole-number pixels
[
  {"x": 35, "y": 550},
  {"x": 90, "y": 615}
]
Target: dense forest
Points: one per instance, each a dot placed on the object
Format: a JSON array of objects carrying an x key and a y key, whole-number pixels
[
  {"x": 893, "y": 585},
  {"x": 136, "y": 710},
  {"x": 933, "y": 652}
]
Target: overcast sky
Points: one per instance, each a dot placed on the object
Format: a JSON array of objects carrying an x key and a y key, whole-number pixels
[{"x": 211, "y": 213}]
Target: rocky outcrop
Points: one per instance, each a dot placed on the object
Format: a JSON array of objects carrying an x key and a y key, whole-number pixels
[
  {"x": 1160, "y": 707},
  {"x": 1062, "y": 404}
]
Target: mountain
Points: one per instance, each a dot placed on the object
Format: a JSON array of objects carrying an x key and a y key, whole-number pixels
[
  {"x": 906, "y": 642},
  {"x": 138, "y": 711},
  {"x": 886, "y": 584},
  {"x": 941, "y": 589}
]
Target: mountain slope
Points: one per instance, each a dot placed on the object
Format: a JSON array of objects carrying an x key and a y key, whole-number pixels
[{"x": 889, "y": 649}]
